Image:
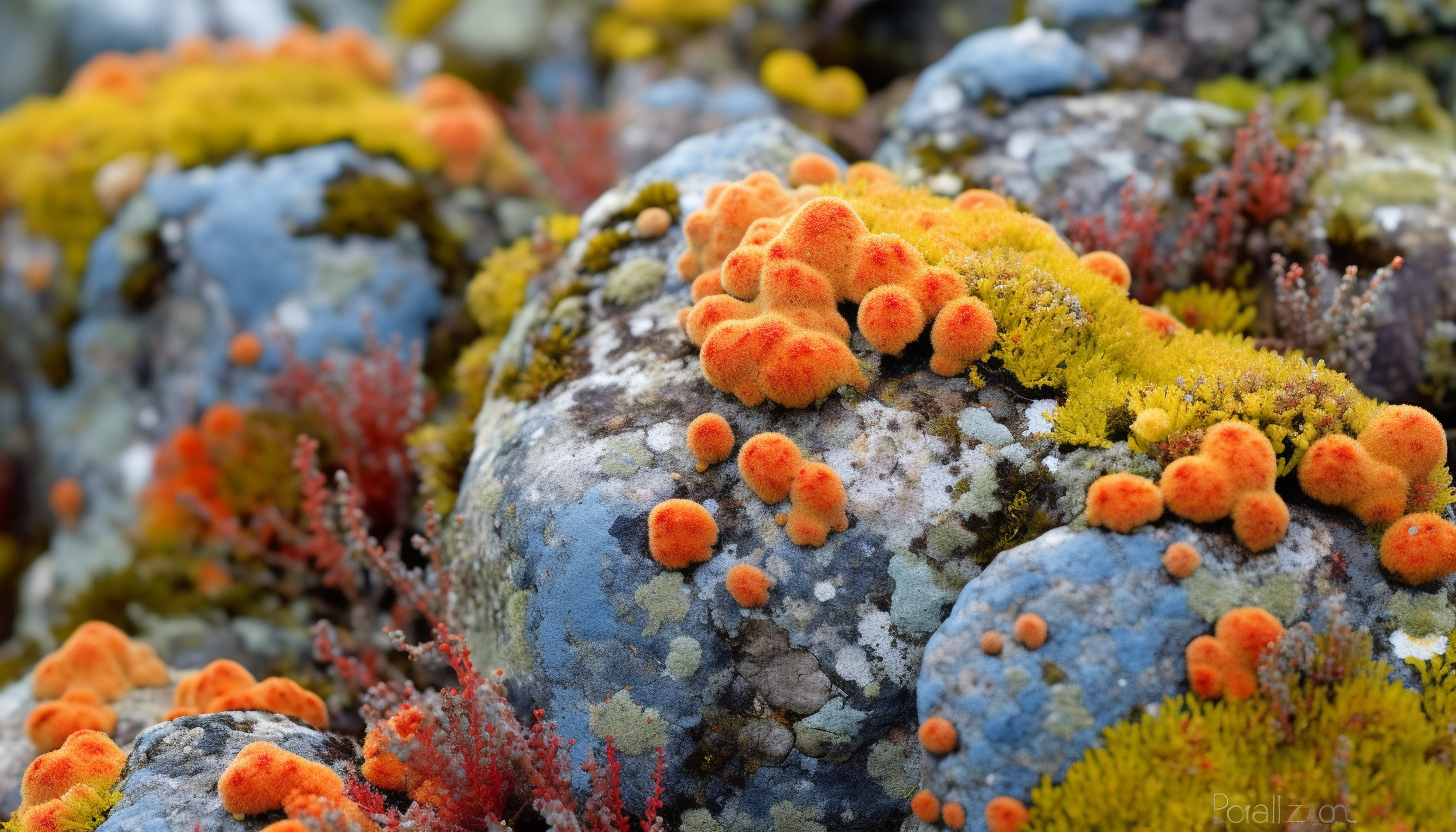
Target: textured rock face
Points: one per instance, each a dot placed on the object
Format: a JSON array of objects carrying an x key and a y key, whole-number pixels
[
  {"x": 1118, "y": 626},
  {"x": 170, "y": 779}
]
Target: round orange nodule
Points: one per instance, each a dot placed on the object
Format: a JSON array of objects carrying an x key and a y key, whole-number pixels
[
  {"x": 245, "y": 349},
  {"x": 748, "y": 585},
  {"x": 1005, "y": 814},
  {"x": 680, "y": 532},
  {"x": 710, "y": 439},
  {"x": 938, "y": 735},
  {"x": 1030, "y": 629},
  {"x": 1181, "y": 560},
  {"x": 925, "y": 806},
  {"x": 812, "y": 169}
]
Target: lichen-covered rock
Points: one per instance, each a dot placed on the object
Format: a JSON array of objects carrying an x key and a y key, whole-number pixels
[
  {"x": 1118, "y": 626},
  {"x": 798, "y": 712},
  {"x": 170, "y": 779}
]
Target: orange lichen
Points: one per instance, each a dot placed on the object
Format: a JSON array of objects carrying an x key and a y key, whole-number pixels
[
  {"x": 980, "y": 198},
  {"x": 245, "y": 349},
  {"x": 381, "y": 767},
  {"x": 221, "y": 423},
  {"x": 710, "y": 440},
  {"x": 1123, "y": 501},
  {"x": 768, "y": 463},
  {"x": 87, "y": 759},
  {"x": 1181, "y": 560},
  {"x": 1006, "y": 814},
  {"x": 1227, "y": 663},
  {"x": 1161, "y": 323},
  {"x": 704, "y": 285},
  {"x": 1372, "y": 476},
  {"x": 748, "y": 585},
  {"x": 465, "y": 136},
  {"x": 653, "y": 222},
  {"x": 50, "y": 723},
  {"x": 1407, "y": 437},
  {"x": 963, "y": 334},
  {"x": 869, "y": 172},
  {"x": 67, "y": 500},
  {"x": 1030, "y": 629},
  {"x": 1419, "y": 548},
  {"x": 991, "y": 643},
  {"x": 816, "y": 505},
  {"x": 227, "y": 686},
  {"x": 1110, "y": 266},
  {"x": 1232, "y": 474},
  {"x": 680, "y": 532},
  {"x": 729, "y": 208},
  {"x": 100, "y": 658},
  {"x": 812, "y": 169},
  {"x": 925, "y": 806},
  {"x": 937, "y": 735},
  {"x": 953, "y": 815},
  {"x": 263, "y": 776}
]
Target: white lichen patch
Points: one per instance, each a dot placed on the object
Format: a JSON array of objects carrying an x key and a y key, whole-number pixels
[{"x": 1405, "y": 646}]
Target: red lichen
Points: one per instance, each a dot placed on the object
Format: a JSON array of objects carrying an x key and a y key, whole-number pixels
[
  {"x": 1005, "y": 814},
  {"x": 937, "y": 735},
  {"x": 1030, "y": 629},
  {"x": 1419, "y": 548},
  {"x": 1123, "y": 501},
  {"x": 748, "y": 585},
  {"x": 100, "y": 658},
  {"x": 1181, "y": 560},
  {"x": 1227, "y": 663},
  {"x": 710, "y": 440},
  {"x": 680, "y": 533},
  {"x": 50, "y": 723}
]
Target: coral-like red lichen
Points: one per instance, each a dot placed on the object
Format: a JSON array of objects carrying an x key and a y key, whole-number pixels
[
  {"x": 1181, "y": 560},
  {"x": 1030, "y": 629},
  {"x": 680, "y": 533},
  {"x": 1227, "y": 663},
  {"x": 710, "y": 439},
  {"x": 748, "y": 585},
  {"x": 80, "y": 709},
  {"x": 937, "y": 735},
  {"x": 1419, "y": 548},
  {"x": 1006, "y": 814},
  {"x": 100, "y": 658},
  {"x": 1123, "y": 501}
]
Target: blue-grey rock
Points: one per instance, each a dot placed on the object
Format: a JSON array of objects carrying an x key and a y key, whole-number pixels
[
  {"x": 656, "y": 116},
  {"x": 1010, "y": 62},
  {"x": 1068, "y": 12}
]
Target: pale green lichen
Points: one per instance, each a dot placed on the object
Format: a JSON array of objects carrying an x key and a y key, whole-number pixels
[
  {"x": 1421, "y": 614},
  {"x": 684, "y": 654},
  {"x": 699, "y": 820},
  {"x": 1211, "y": 594},
  {"x": 978, "y": 497},
  {"x": 635, "y": 280},
  {"x": 790, "y": 818},
  {"x": 917, "y": 602},
  {"x": 1067, "y": 715},
  {"x": 895, "y": 766},
  {"x": 949, "y": 538},
  {"x": 623, "y": 455},
  {"x": 664, "y": 600},
  {"x": 634, "y": 729},
  {"x": 518, "y": 655}
]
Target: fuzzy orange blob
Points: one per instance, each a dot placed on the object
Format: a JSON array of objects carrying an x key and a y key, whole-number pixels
[
  {"x": 1208, "y": 663},
  {"x": 748, "y": 585},
  {"x": 50, "y": 723},
  {"x": 768, "y": 463},
  {"x": 225, "y": 685},
  {"x": 991, "y": 643},
  {"x": 100, "y": 658},
  {"x": 196, "y": 691},
  {"x": 1372, "y": 475},
  {"x": 812, "y": 169},
  {"x": 680, "y": 532},
  {"x": 1181, "y": 560},
  {"x": 1244, "y": 452},
  {"x": 351, "y": 48},
  {"x": 1196, "y": 487},
  {"x": 1161, "y": 323},
  {"x": 1006, "y": 814},
  {"x": 1260, "y": 519},
  {"x": 1419, "y": 548},
  {"x": 890, "y": 318},
  {"x": 704, "y": 285},
  {"x": 937, "y": 735},
  {"x": 86, "y": 760},
  {"x": 710, "y": 440},
  {"x": 67, "y": 501},
  {"x": 652, "y": 222},
  {"x": 953, "y": 815},
  {"x": 1123, "y": 501},
  {"x": 963, "y": 334},
  {"x": 925, "y": 806},
  {"x": 1110, "y": 266},
  {"x": 1407, "y": 437},
  {"x": 729, "y": 208},
  {"x": 444, "y": 92},
  {"x": 111, "y": 73},
  {"x": 1334, "y": 470},
  {"x": 263, "y": 776},
  {"x": 465, "y": 136},
  {"x": 980, "y": 198},
  {"x": 870, "y": 172},
  {"x": 1030, "y": 629},
  {"x": 816, "y": 505},
  {"x": 221, "y": 422},
  {"x": 245, "y": 349},
  {"x": 1226, "y": 663},
  {"x": 1232, "y": 474},
  {"x": 381, "y": 766}
]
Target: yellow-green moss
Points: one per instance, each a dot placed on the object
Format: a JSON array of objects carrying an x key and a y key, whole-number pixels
[
  {"x": 375, "y": 207},
  {"x": 601, "y": 247},
  {"x": 653, "y": 195},
  {"x": 1205, "y": 308},
  {"x": 85, "y": 810},
  {"x": 416, "y": 18}
]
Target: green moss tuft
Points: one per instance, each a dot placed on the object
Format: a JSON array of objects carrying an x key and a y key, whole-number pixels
[
  {"x": 601, "y": 247},
  {"x": 662, "y": 195}
]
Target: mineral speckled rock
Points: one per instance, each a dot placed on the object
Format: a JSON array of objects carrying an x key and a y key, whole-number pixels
[
  {"x": 1118, "y": 626},
  {"x": 170, "y": 779}
]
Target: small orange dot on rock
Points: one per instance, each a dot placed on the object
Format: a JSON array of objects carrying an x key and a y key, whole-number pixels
[
  {"x": 954, "y": 815},
  {"x": 245, "y": 349},
  {"x": 925, "y": 806},
  {"x": 710, "y": 439},
  {"x": 653, "y": 222},
  {"x": 938, "y": 735},
  {"x": 1005, "y": 814},
  {"x": 680, "y": 532},
  {"x": 1031, "y": 630},
  {"x": 1181, "y": 560},
  {"x": 67, "y": 499},
  {"x": 748, "y": 585},
  {"x": 991, "y": 643}
]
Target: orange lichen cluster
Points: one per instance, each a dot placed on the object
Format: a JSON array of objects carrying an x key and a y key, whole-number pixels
[
  {"x": 729, "y": 208},
  {"x": 980, "y": 198},
  {"x": 67, "y": 501},
  {"x": 245, "y": 349},
  {"x": 265, "y": 778},
  {"x": 1227, "y": 662},
  {"x": 1110, "y": 266},
  {"x": 1006, "y": 814},
  {"x": 812, "y": 169},
  {"x": 1123, "y": 501},
  {"x": 184, "y": 482},
  {"x": 86, "y": 766},
  {"x": 1373, "y": 475},
  {"x": 381, "y": 766},
  {"x": 748, "y": 585},
  {"x": 772, "y": 466},
  {"x": 79, "y": 709},
  {"x": 100, "y": 658},
  {"x": 228, "y": 686},
  {"x": 1181, "y": 560},
  {"x": 458, "y": 121},
  {"x": 1030, "y": 629},
  {"x": 710, "y": 439},
  {"x": 937, "y": 735},
  {"x": 1232, "y": 474},
  {"x": 926, "y": 806},
  {"x": 1419, "y": 548},
  {"x": 680, "y": 532}
]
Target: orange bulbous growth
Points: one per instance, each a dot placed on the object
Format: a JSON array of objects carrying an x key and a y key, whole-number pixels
[
  {"x": 1030, "y": 629},
  {"x": 963, "y": 334},
  {"x": 1372, "y": 475},
  {"x": 221, "y": 423},
  {"x": 86, "y": 759},
  {"x": 1161, "y": 323},
  {"x": 925, "y": 806},
  {"x": 704, "y": 285},
  {"x": 1232, "y": 474},
  {"x": 890, "y": 318},
  {"x": 351, "y": 48},
  {"x": 991, "y": 643},
  {"x": 50, "y": 723},
  {"x": 680, "y": 532},
  {"x": 816, "y": 505},
  {"x": 1123, "y": 501},
  {"x": 245, "y": 349},
  {"x": 466, "y": 136},
  {"x": 937, "y": 735},
  {"x": 953, "y": 815},
  {"x": 226, "y": 685},
  {"x": 1260, "y": 519},
  {"x": 768, "y": 463},
  {"x": 748, "y": 585},
  {"x": 812, "y": 169},
  {"x": 975, "y": 198},
  {"x": 1419, "y": 548},
  {"x": 1407, "y": 437},
  {"x": 1110, "y": 266},
  {"x": 652, "y": 222},
  {"x": 67, "y": 501},
  {"x": 100, "y": 658},
  {"x": 263, "y": 776},
  {"x": 111, "y": 73},
  {"x": 1006, "y": 814},
  {"x": 870, "y": 172},
  {"x": 1197, "y": 488},
  {"x": 710, "y": 439},
  {"x": 1227, "y": 663},
  {"x": 729, "y": 208},
  {"x": 1181, "y": 560}
]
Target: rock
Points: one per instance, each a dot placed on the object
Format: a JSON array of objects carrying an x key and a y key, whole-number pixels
[
  {"x": 170, "y": 779},
  {"x": 1118, "y": 626},
  {"x": 559, "y": 588},
  {"x": 663, "y": 113},
  {"x": 1010, "y": 63}
]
